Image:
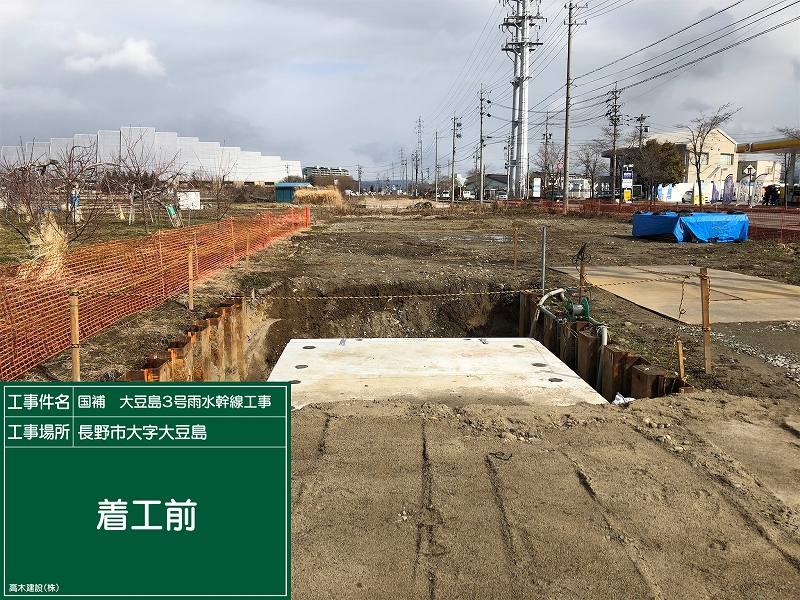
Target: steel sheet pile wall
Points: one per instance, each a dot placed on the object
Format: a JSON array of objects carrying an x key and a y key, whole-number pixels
[
  {"x": 118, "y": 279},
  {"x": 609, "y": 370}
]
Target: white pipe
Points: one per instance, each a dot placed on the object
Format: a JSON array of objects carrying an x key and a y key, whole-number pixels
[
  {"x": 539, "y": 306},
  {"x": 603, "y": 331}
]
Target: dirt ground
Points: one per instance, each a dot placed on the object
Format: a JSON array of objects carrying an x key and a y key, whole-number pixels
[{"x": 686, "y": 496}]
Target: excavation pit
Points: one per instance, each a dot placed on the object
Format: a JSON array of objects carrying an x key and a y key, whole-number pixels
[
  {"x": 412, "y": 343},
  {"x": 452, "y": 371}
]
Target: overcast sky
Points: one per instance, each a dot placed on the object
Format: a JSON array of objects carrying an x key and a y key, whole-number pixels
[{"x": 341, "y": 83}]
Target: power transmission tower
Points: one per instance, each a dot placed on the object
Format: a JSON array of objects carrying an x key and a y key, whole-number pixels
[
  {"x": 521, "y": 21},
  {"x": 614, "y": 117},
  {"x": 482, "y": 144},
  {"x": 456, "y": 134},
  {"x": 569, "y": 24}
]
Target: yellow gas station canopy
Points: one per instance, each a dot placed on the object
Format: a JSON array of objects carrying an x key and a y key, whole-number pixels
[{"x": 771, "y": 146}]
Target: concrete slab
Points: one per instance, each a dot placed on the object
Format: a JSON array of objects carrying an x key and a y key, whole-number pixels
[
  {"x": 735, "y": 298},
  {"x": 454, "y": 371}
]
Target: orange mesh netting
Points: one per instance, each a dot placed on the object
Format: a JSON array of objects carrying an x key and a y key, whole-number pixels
[{"x": 117, "y": 279}]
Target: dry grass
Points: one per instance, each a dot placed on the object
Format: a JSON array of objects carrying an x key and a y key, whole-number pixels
[{"x": 327, "y": 196}]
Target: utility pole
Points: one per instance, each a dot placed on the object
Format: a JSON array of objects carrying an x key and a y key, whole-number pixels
[
  {"x": 614, "y": 118},
  {"x": 404, "y": 170},
  {"x": 569, "y": 87},
  {"x": 522, "y": 20},
  {"x": 436, "y": 170},
  {"x": 456, "y": 134},
  {"x": 359, "y": 180},
  {"x": 547, "y": 136},
  {"x": 511, "y": 48},
  {"x": 642, "y": 127},
  {"x": 482, "y": 144},
  {"x": 419, "y": 150},
  {"x": 508, "y": 149}
]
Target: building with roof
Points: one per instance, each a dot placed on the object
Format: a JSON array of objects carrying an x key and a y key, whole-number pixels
[
  {"x": 318, "y": 171},
  {"x": 194, "y": 158},
  {"x": 719, "y": 158}
]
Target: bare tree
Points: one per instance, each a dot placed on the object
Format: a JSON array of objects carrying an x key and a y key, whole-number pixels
[
  {"x": 546, "y": 160},
  {"x": 589, "y": 158},
  {"x": 42, "y": 195},
  {"x": 145, "y": 177},
  {"x": 793, "y": 133},
  {"x": 698, "y": 131}
]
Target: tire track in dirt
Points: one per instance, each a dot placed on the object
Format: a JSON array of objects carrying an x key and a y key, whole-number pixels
[
  {"x": 428, "y": 551},
  {"x": 682, "y": 515},
  {"x": 636, "y": 559},
  {"x": 306, "y": 451},
  {"x": 354, "y": 529}
]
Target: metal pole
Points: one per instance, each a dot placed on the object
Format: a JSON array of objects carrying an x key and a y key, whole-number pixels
[
  {"x": 75, "y": 341},
  {"x": 516, "y": 232},
  {"x": 544, "y": 255}
]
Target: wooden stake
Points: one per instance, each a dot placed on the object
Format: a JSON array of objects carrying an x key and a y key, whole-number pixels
[
  {"x": 233, "y": 244},
  {"x": 705, "y": 292},
  {"x": 681, "y": 370},
  {"x": 247, "y": 253},
  {"x": 516, "y": 231},
  {"x": 74, "y": 326},
  {"x": 191, "y": 281}
]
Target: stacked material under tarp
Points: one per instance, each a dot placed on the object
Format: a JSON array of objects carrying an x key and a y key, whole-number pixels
[{"x": 688, "y": 227}]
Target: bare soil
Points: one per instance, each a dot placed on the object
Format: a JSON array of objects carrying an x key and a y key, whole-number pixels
[{"x": 686, "y": 496}]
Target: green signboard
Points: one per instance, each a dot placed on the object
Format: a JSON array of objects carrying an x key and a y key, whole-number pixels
[{"x": 146, "y": 490}]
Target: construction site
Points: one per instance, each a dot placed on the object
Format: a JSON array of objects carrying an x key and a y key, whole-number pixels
[{"x": 454, "y": 371}]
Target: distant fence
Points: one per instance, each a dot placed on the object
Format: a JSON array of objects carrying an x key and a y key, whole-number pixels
[
  {"x": 117, "y": 279},
  {"x": 765, "y": 222}
]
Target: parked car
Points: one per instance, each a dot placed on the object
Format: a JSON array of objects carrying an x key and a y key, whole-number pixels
[{"x": 502, "y": 196}]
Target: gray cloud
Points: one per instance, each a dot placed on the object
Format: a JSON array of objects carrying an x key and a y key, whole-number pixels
[{"x": 343, "y": 82}]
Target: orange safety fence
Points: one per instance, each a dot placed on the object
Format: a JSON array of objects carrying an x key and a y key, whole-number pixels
[{"x": 118, "y": 279}]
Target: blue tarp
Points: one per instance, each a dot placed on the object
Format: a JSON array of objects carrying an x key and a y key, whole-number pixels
[{"x": 698, "y": 227}]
